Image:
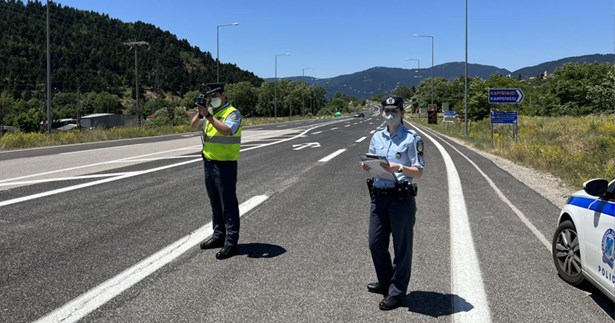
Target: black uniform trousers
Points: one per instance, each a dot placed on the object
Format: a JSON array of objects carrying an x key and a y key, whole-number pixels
[
  {"x": 392, "y": 216},
  {"x": 221, "y": 185}
]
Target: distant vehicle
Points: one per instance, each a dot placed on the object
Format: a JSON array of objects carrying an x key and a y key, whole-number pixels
[
  {"x": 584, "y": 243},
  {"x": 359, "y": 115}
]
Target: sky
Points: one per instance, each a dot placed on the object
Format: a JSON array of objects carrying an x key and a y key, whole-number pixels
[{"x": 327, "y": 38}]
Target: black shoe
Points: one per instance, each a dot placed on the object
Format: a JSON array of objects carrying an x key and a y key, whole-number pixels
[
  {"x": 377, "y": 288},
  {"x": 226, "y": 252},
  {"x": 389, "y": 303},
  {"x": 212, "y": 243}
]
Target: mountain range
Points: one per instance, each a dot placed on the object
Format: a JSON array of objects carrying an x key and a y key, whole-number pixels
[{"x": 377, "y": 80}]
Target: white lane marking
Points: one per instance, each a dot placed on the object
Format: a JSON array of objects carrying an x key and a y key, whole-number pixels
[
  {"x": 334, "y": 128},
  {"x": 99, "y": 295},
  {"x": 372, "y": 132},
  {"x": 331, "y": 156},
  {"x": 306, "y": 145},
  {"x": 95, "y": 164},
  {"x": 347, "y": 126},
  {"x": 84, "y": 185},
  {"x": 317, "y": 132},
  {"x": 76, "y": 187},
  {"x": 361, "y": 139},
  {"x": 466, "y": 280},
  {"x": 60, "y": 179},
  {"x": 503, "y": 197},
  {"x": 96, "y": 149}
]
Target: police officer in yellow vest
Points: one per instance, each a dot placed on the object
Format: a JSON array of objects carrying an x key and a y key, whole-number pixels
[{"x": 221, "y": 126}]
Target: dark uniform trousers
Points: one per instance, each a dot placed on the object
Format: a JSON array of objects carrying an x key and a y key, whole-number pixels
[
  {"x": 221, "y": 184},
  {"x": 391, "y": 215}
]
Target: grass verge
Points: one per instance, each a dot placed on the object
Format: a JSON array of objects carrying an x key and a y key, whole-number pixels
[{"x": 573, "y": 149}]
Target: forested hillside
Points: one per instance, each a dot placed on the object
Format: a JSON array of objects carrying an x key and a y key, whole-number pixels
[{"x": 88, "y": 54}]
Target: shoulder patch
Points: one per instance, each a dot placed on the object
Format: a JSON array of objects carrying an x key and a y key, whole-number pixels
[
  {"x": 420, "y": 146},
  {"x": 419, "y": 150}
]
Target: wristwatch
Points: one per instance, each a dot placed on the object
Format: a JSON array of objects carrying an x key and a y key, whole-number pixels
[{"x": 401, "y": 169}]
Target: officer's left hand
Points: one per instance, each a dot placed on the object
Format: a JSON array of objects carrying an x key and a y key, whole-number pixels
[{"x": 390, "y": 167}]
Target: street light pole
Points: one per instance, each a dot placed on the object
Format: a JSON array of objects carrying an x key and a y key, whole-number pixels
[
  {"x": 419, "y": 89},
  {"x": 218, "y": 48},
  {"x": 465, "y": 117},
  {"x": 275, "y": 93},
  {"x": 49, "y": 115},
  {"x": 303, "y": 96},
  {"x": 432, "y": 59}
]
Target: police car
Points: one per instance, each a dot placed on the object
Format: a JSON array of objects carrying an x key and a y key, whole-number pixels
[{"x": 584, "y": 242}]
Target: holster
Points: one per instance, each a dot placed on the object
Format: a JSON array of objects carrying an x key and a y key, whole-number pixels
[{"x": 370, "y": 187}]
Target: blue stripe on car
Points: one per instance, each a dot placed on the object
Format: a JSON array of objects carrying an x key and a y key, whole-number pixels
[{"x": 588, "y": 203}]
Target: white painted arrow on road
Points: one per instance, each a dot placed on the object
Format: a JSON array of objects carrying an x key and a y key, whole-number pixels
[{"x": 306, "y": 145}]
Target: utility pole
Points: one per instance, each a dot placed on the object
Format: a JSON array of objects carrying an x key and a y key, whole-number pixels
[{"x": 135, "y": 44}]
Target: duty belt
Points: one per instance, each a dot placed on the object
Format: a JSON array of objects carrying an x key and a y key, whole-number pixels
[{"x": 402, "y": 191}]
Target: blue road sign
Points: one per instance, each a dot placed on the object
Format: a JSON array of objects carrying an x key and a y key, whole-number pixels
[
  {"x": 509, "y": 117},
  {"x": 449, "y": 113},
  {"x": 503, "y": 96}
]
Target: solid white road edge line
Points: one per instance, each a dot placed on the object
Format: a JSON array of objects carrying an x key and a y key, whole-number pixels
[
  {"x": 331, "y": 156},
  {"x": 467, "y": 278},
  {"x": 503, "y": 197},
  {"x": 99, "y": 295}
]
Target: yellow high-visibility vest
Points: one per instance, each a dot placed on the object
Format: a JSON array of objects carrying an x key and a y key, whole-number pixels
[{"x": 217, "y": 146}]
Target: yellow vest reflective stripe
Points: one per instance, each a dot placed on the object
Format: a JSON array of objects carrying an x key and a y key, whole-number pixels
[{"x": 217, "y": 146}]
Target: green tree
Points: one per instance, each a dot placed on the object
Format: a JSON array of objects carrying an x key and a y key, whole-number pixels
[{"x": 244, "y": 97}]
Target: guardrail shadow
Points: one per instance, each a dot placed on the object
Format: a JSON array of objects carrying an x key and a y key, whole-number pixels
[
  {"x": 435, "y": 304},
  {"x": 259, "y": 250}
]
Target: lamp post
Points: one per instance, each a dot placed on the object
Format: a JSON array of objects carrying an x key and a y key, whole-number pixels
[
  {"x": 275, "y": 93},
  {"x": 419, "y": 67},
  {"x": 218, "y": 48},
  {"x": 303, "y": 96},
  {"x": 432, "y": 59},
  {"x": 465, "y": 117}
]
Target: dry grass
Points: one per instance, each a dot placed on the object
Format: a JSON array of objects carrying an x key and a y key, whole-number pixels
[{"x": 574, "y": 149}]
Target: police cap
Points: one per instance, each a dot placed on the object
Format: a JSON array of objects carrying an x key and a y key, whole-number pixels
[
  {"x": 211, "y": 88},
  {"x": 393, "y": 102}
]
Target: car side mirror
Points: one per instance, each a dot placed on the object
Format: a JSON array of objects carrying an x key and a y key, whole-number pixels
[
  {"x": 596, "y": 186},
  {"x": 610, "y": 191}
]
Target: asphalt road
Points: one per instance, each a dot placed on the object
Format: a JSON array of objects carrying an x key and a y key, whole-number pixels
[{"x": 109, "y": 232}]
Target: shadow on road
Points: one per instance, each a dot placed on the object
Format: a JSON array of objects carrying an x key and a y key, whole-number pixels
[
  {"x": 260, "y": 250},
  {"x": 435, "y": 304},
  {"x": 597, "y": 296}
]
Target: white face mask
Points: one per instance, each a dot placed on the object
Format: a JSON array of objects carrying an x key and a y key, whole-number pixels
[
  {"x": 392, "y": 118},
  {"x": 215, "y": 102}
]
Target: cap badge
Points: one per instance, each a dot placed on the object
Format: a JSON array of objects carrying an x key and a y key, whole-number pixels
[{"x": 390, "y": 100}]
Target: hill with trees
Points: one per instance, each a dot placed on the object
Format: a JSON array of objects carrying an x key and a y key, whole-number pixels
[{"x": 93, "y": 71}]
